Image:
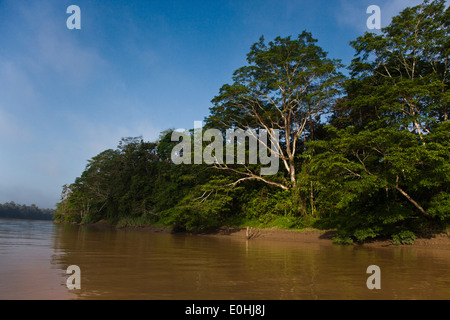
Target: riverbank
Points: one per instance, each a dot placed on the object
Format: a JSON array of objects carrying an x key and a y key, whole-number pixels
[
  {"x": 308, "y": 235},
  {"x": 440, "y": 241}
]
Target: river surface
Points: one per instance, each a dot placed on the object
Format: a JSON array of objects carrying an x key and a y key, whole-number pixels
[{"x": 131, "y": 264}]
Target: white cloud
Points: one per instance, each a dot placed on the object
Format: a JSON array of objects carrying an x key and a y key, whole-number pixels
[
  {"x": 391, "y": 8},
  {"x": 57, "y": 49},
  {"x": 17, "y": 90},
  {"x": 353, "y": 13}
]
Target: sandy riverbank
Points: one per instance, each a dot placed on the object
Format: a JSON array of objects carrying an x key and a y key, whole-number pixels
[{"x": 440, "y": 241}]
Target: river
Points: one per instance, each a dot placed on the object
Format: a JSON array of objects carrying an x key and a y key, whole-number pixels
[{"x": 131, "y": 264}]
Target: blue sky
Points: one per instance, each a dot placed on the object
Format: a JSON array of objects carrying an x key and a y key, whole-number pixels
[{"x": 135, "y": 68}]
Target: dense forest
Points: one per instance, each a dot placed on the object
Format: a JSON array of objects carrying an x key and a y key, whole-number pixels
[
  {"x": 365, "y": 154},
  {"x": 16, "y": 211}
]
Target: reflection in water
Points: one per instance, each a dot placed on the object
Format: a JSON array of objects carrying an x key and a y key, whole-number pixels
[{"x": 124, "y": 264}]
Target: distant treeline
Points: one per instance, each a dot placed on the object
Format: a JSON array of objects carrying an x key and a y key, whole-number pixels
[{"x": 13, "y": 210}]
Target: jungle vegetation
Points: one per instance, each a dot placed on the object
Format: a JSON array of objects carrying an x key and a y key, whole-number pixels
[{"x": 365, "y": 154}]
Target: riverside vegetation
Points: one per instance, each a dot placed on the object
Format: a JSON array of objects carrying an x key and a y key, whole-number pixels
[{"x": 366, "y": 155}]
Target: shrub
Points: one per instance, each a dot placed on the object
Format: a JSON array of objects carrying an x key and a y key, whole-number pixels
[
  {"x": 403, "y": 237},
  {"x": 342, "y": 239}
]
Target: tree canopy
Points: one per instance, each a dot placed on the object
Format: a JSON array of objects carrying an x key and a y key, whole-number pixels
[
  {"x": 367, "y": 155},
  {"x": 288, "y": 84}
]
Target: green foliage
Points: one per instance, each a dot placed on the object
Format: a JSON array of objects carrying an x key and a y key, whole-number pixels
[
  {"x": 342, "y": 239},
  {"x": 203, "y": 206},
  {"x": 400, "y": 77},
  {"x": 374, "y": 181},
  {"x": 287, "y": 85},
  {"x": 384, "y": 164},
  {"x": 133, "y": 221},
  {"x": 266, "y": 202},
  {"x": 379, "y": 168},
  {"x": 403, "y": 237}
]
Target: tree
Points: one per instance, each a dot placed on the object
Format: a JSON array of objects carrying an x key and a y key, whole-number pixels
[
  {"x": 115, "y": 183},
  {"x": 378, "y": 182},
  {"x": 384, "y": 168},
  {"x": 288, "y": 84},
  {"x": 401, "y": 77}
]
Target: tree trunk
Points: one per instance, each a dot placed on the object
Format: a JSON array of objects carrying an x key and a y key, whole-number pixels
[
  {"x": 292, "y": 171},
  {"x": 412, "y": 201}
]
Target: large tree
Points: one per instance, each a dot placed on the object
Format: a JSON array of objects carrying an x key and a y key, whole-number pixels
[
  {"x": 400, "y": 78},
  {"x": 387, "y": 168},
  {"x": 287, "y": 85}
]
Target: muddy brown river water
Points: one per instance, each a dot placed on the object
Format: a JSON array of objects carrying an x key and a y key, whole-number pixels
[{"x": 130, "y": 264}]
